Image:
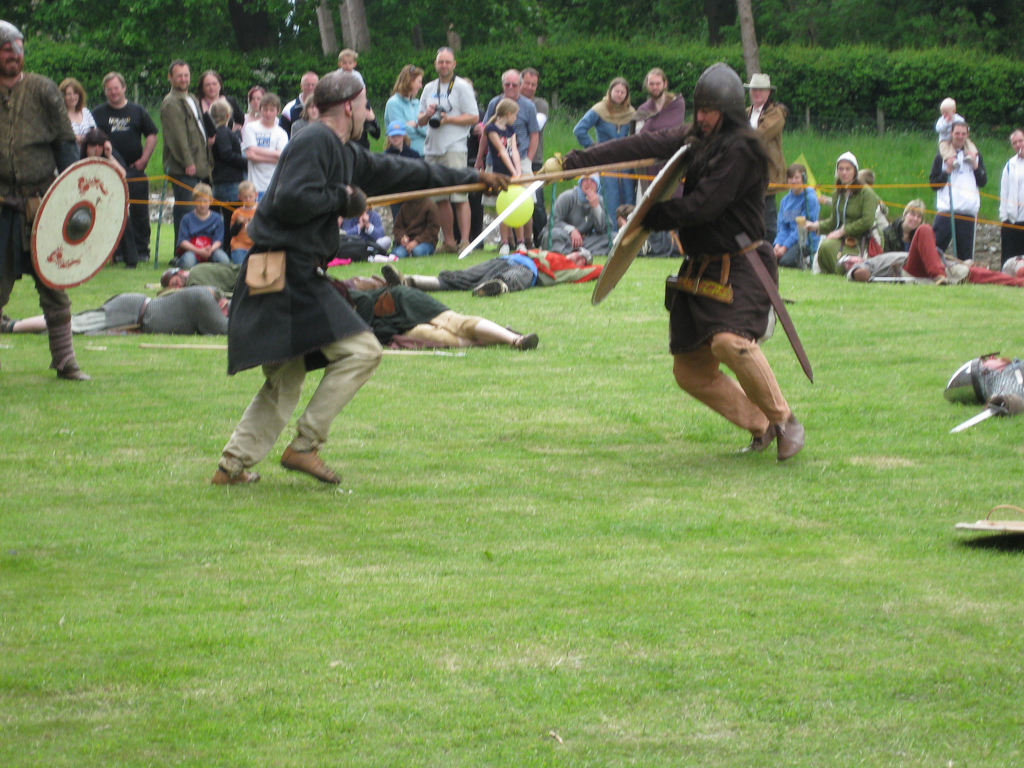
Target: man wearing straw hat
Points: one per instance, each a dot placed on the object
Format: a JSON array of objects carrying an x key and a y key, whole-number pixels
[{"x": 768, "y": 118}]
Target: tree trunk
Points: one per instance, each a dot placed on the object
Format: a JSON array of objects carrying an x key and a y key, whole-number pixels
[
  {"x": 346, "y": 26},
  {"x": 747, "y": 34},
  {"x": 328, "y": 38},
  {"x": 253, "y": 29},
  {"x": 417, "y": 37},
  {"x": 354, "y": 27},
  {"x": 720, "y": 13}
]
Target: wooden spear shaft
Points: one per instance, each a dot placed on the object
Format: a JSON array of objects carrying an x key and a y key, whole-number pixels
[{"x": 478, "y": 186}]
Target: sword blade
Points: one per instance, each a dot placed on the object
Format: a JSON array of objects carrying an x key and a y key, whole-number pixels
[
  {"x": 528, "y": 194},
  {"x": 777, "y": 303},
  {"x": 988, "y": 413}
]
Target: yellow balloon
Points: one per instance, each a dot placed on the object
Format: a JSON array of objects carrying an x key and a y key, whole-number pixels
[{"x": 520, "y": 215}]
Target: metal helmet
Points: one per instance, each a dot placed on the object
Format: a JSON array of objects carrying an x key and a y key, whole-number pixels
[
  {"x": 720, "y": 88},
  {"x": 10, "y": 34},
  {"x": 979, "y": 379}
]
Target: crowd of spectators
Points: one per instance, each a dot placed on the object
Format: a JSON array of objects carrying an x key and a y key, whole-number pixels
[{"x": 209, "y": 139}]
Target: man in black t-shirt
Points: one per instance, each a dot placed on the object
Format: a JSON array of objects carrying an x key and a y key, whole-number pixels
[{"x": 133, "y": 133}]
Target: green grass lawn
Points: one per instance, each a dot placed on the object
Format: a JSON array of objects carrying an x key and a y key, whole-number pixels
[{"x": 543, "y": 559}]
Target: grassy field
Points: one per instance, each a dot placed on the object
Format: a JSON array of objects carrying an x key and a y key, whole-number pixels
[{"x": 542, "y": 559}]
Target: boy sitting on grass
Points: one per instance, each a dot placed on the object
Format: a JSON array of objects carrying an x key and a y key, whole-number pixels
[{"x": 202, "y": 233}]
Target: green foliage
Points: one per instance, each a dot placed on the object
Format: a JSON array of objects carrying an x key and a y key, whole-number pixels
[
  {"x": 991, "y": 26},
  {"x": 842, "y": 87}
]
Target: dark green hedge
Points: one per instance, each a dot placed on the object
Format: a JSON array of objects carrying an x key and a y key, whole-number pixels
[{"x": 837, "y": 85}]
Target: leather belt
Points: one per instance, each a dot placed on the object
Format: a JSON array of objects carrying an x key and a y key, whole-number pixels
[{"x": 142, "y": 312}]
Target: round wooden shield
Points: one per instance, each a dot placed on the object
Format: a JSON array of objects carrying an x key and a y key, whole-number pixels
[
  {"x": 79, "y": 223},
  {"x": 632, "y": 236}
]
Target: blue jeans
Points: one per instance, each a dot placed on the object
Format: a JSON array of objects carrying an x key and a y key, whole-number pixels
[
  {"x": 187, "y": 260},
  {"x": 238, "y": 255},
  {"x": 226, "y": 193},
  {"x": 423, "y": 249}
]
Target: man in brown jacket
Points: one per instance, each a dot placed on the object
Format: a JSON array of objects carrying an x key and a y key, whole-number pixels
[
  {"x": 768, "y": 118},
  {"x": 416, "y": 228},
  {"x": 187, "y": 158}
]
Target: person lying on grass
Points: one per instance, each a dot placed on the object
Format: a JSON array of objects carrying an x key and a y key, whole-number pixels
[
  {"x": 197, "y": 310},
  {"x": 514, "y": 272}
]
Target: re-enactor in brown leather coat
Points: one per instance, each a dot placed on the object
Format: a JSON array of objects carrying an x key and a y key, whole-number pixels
[{"x": 723, "y": 196}]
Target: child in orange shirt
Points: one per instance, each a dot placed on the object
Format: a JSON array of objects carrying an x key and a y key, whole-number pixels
[{"x": 240, "y": 240}]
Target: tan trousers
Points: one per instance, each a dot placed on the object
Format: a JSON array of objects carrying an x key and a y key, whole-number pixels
[
  {"x": 352, "y": 361},
  {"x": 449, "y": 328},
  {"x": 752, "y": 401}
]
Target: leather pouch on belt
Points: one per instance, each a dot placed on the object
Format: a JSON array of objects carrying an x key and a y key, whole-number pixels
[
  {"x": 32, "y": 208},
  {"x": 265, "y": 272},
  {"x": 385, "y": 305}
]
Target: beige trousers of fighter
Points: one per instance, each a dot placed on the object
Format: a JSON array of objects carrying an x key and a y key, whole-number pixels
[
  {"x": 351, "y": 363},
  {"x": 752, "y": 401},
  {"x": 449, "y": 328}
]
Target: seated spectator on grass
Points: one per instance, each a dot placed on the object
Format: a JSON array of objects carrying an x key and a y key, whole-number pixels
[
  {"x": 850, "y": 223},
  {"x": 610, "y": 119},
  {"x": 96, "y": 144},
  {"x": 238, "y": 230},
  {"x": 505, "y": 274},
  {"x": 398, "y": 141},
  {"x": 368, "y": 226},
  {"x": 416, "y": 228},
  {"x": 661, "y": 245},
  {"x": 578, "y": 219},
  {"x": 800, "y": 201},
  {"x": 202, "y": 232},
  {"x": 190, "y": 311},
  {"x": 262, "y": 142},
  {"x": 229, "y": 164},
  {"x": 911, "y": 252},
  {"x": 404, "y": 107}
]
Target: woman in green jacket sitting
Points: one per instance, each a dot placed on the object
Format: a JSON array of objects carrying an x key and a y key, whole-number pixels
[{"x": 853, "y": 216}]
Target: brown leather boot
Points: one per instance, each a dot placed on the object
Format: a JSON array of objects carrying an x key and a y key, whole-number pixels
[
  {"x": 221, "y": 477},
  {"x": 791, "y": 438},
  {"x": 62, "y": 350},
  {"x": 310, "y": 463},
  {"x": 759, "y": 442}
]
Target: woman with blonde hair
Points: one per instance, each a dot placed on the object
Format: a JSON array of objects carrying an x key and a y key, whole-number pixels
[
  {"x": 404, "y": 105},
  {"x": 609, "y": 119},
  {"x": 74, "y": 99}
]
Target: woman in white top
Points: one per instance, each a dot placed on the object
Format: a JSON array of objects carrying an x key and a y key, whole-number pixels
[{"x": 74, "y": 99}]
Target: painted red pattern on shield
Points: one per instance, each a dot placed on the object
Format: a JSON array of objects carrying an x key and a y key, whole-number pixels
[
  {"x": 57, "y": 257},
  {"x": 84, "y": 185}
]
